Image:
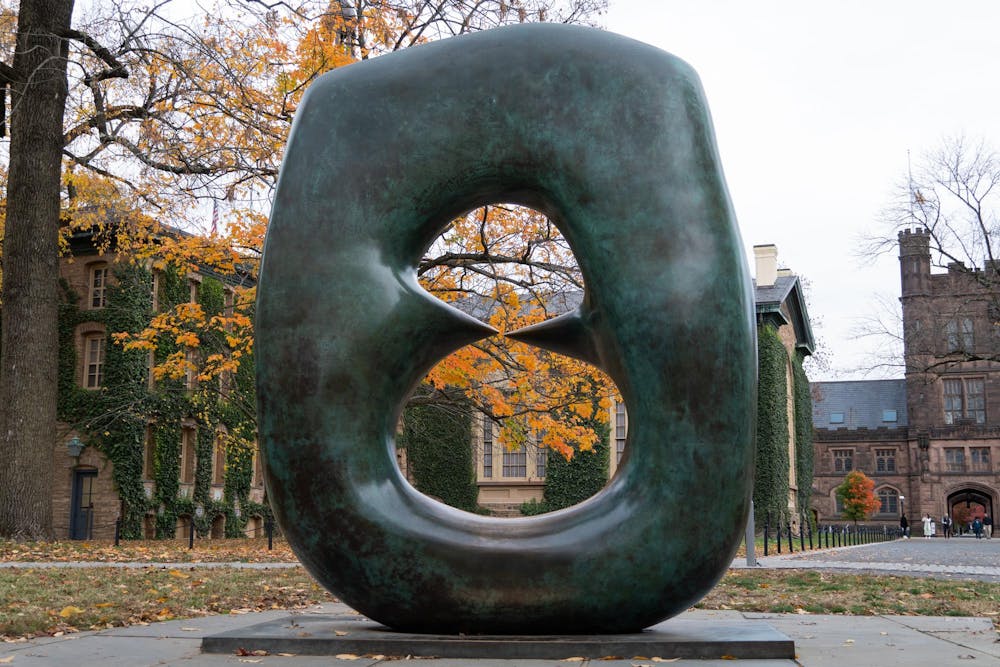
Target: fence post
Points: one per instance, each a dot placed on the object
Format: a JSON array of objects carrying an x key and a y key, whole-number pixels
[
  {"x": 802, "y": 533},
  {"x": 791, "y": 541},
  {"x": 767, "y": 530},
  {"x": 269, "y": 526}
]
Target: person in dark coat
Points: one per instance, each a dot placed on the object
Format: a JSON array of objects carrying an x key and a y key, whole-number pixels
[
  {"x": 904, "y": 525},
  {"x": 988, "y": 526},
  {"x": 977, "y": 528}
]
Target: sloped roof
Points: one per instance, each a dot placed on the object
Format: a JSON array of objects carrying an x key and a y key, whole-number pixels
[
  {"x": 863, "y": 404},
  {"x": 786, "y": 290}
]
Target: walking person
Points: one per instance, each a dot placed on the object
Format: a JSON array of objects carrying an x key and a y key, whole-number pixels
[
  {"x": 927, "y": 526},
  {"x": 977, "y": 528},
  {"x": 988, "y": 526},
  {"x": 946, "y": 526},
  {"x": 904, "y": 526}
]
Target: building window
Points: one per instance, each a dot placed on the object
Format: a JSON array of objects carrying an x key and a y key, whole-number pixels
[
  {"x": 219, "y": 461},
  {"x": 843, "y": 460},
  {"x": 959, "y": 335},
  {"x": 155, "y": 292},
  {"x": 149, "y": 454},
  {"x": 515, "y": 463},
  {"x": 621, "y": 430},
  {"x": 98, "y": 285},
  {"x": 889, "y": 416},
  {"x": 964, "y": 398},
  {"x": 93, "y": 361},
  {"x": 980, "y": 459},
  {"x": 487, "y": 447},
  {"x": 541, "y": 460},
  {"x": 838, "y": 504},
  {"x": 954, "y": 459},
  {"x": 836, "y": 417},
  {"x": 888, "y": 501},
  {"x": 187, "y": 455},
  {"x": 885, "y": 460}
]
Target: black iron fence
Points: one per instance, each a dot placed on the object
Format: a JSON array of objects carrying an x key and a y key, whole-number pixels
[{"x": 780, "y": 536}]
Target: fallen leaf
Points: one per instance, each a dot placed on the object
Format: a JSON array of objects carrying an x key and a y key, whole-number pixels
[
  {"x": 9, "y": 658},
  {"x": 69, "y": 611},
  {"x": 346, "y": 656},
  {"x": 926, "y": 596},
  {"x": 665, "y": 659},
  {"x": 190, "y": 629},
  {"x": 103, "y": 605},
  {"x": 574, "y": 659},
  {"x": 178, "y": 574},
  {"x": 341, "y": 633}
]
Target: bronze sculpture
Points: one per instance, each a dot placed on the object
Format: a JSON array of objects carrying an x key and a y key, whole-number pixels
[{"x": 609, "y": 137}]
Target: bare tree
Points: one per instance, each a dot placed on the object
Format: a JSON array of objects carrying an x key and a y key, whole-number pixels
[{"x": 946, "y": 216}]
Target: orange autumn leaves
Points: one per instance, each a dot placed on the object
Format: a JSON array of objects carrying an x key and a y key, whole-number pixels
[
  {"x": 511, "y": 267},
  {"x": 857, "y": 493}
]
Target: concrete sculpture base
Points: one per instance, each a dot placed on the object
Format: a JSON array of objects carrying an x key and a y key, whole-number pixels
[{"x": 352, "y": 634}]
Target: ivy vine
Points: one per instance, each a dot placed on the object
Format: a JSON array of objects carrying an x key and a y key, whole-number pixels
[{"x": 770, "y": 488}]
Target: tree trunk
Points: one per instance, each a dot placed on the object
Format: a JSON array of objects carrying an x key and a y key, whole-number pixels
[{"x": 29, "y": 352}]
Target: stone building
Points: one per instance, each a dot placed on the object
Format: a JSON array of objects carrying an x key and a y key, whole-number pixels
[
  {"x": 930, "y": 440},
  {"x": 175, "y": 460}
]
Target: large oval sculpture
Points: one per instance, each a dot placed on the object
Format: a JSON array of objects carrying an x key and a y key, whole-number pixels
[{"x": 609, "y": 137}]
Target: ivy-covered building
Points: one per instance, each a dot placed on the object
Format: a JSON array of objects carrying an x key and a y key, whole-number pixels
[
  {"x": 156, "y": 454},
  {"x": 784, "y": 459}
]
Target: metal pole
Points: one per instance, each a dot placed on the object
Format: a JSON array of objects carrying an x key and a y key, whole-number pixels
[
  {"x": 191, "y": 535},
  {"x": 750, "y": 538}
]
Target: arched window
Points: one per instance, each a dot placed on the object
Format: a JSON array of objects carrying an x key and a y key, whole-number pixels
[{"x": 888, "y": 501}]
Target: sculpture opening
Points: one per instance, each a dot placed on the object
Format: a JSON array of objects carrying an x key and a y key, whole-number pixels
[{"x": 507, "y": 411}]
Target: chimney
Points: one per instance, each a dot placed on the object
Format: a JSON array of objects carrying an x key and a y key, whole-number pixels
[{"x": 766, "y": 261}]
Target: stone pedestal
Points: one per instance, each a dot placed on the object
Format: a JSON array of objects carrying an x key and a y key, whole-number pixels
[{"x": 339, "y": 634}]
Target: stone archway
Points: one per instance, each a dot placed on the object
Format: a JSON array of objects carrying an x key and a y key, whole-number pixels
[{"x": 969, "y": 501}]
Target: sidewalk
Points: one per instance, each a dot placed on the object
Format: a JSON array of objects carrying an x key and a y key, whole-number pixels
[{"x": 821, "y": 641}]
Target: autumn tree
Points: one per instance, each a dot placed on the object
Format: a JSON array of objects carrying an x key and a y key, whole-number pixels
[
  {"x": 165, "y": 114},
  {"x": 857, "y": 495}
]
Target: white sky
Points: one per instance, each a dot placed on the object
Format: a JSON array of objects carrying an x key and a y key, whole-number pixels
[{"x": 815, "y": 105}]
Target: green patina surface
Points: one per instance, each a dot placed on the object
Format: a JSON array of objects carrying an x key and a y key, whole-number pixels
[{"x": 612, "y": 139}]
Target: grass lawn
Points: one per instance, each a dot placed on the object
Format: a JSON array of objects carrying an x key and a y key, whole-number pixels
[
  {"x": 50, "y": 601},
  {"x": 243, "y": 550}
]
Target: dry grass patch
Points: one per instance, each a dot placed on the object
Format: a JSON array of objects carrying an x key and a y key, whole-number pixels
[
  {"x": 813, "y": 592},
  {"x": 59, "y": 600},
  {"x": 242, "y": 550}
]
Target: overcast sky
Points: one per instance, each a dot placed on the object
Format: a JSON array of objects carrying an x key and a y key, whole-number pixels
[{"x": 815, "y": 105}]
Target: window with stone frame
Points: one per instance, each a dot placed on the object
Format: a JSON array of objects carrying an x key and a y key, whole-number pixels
[
  {"x": 487, "y": 447},
  {"x": 959, "y": 334},
  {"x": 885, "y": 460},
  {"x": 515, "y": 462},
  {"x": 219, "y": 460},
  {"x": 98, "y": 285},
  {"x": 187, "y": 455},
  {"x": 621, "y": 430},
  {"x": 979, "y": 458},
  {"x": 541, "y": 461},
  {"x": 843, "y": 460},
  {"x": 964, "y": 398},
  {"x": 888, "y": 501},
  {"x": 93, "y": 361},
  {"x": 149, "y": 453},
  {"x": 954, "y": 459},
  {"x": 838, "y": 504}
]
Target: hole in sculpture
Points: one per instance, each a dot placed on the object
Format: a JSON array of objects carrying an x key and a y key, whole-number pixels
[{"x": 540, "y": 430}]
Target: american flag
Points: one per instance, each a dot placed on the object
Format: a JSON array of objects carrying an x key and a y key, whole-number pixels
[{"x": 215, "y": 217}]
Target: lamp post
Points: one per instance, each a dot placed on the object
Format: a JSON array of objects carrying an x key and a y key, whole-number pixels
[
  {"x": 902, "y": 512},
  {"x": 75, "y": 447}
]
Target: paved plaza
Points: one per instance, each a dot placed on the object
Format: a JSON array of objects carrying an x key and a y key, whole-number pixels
[
  {"x": 954, "y": 558},
  {"x": 820, "y": 640}
]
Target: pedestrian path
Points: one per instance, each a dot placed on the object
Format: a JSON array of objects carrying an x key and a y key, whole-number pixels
[{"x": 972, "y": 559}]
